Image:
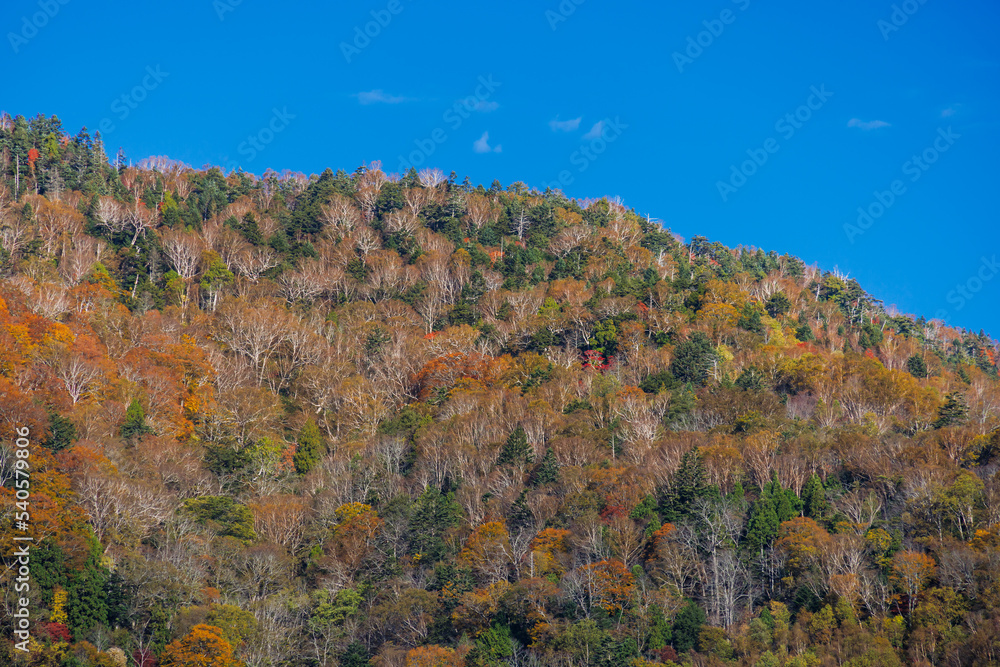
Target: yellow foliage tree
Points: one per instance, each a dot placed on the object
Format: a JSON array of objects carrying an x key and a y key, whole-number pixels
[
  {"x": 434, "y": 656},
  {"x": 910, "y": 572},
  {"x": 487, "y": 551},
  {"x": 58, "y": 614}
]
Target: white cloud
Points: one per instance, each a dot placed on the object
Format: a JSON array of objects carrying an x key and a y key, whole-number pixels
[
  {"x": 482, "y": 145},
  {"x": 565, "y": 125},
  {"x": 867, "y": 124},
  {"x": 379, "y": 96},
  {"x": 595, "y": 131}
]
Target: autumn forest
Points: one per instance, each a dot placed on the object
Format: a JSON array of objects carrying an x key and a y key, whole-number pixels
[{"x": 402, "y": 420}]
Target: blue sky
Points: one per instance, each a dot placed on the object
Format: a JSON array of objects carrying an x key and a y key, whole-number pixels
[{"x": 686, "y": 91}]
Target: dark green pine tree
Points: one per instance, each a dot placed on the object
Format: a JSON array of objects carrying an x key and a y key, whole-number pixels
[
  {"x": 804, "y": 333},
  {"x": 135, "y": 421},
  {"x": 814, "y": 502},
  {"x": 87, "y": 605},
  {"x": 778, "y": 305},
  {"x": 355, "y": 655},
  {"x": 953, "y": 412},
  {"x": 864, "y": 342},
  {"x": 308, "y": 448},
  {"x": 692, "y": 359},
  {"x": 786, "y": 505},
  {"x": 117, "y": 595},
  {"x": 916, "y": 366},
  {"x": 738, "y": 493},
  {"x": 516, "y": 451},
  {"x": 750, "y": 319},
  {"x": 61, "y": 434},
  {"x": 751, "y": 379},
  {"x": 763, "y": 525},
  {"x": 434, "y": 515},
  {"x": 520, "y": 517},
  {"x": 547, "y": 471},
  {"x": 687, "y": 627},
  {"x": 411, "y": 179},
  {"x": 771, "y": 488},
  {"x": 686, "y": 487},
  {"x": 775, "y": 506}
]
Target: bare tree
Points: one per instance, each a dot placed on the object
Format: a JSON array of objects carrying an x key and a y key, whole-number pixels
[
  {"x": 366, "y": 240},
  {"x": 254, "y": 261},
  {"x": 369, "y": 186},
  {"x": 140, "y": 218},
  {"x": 568, "y": 240},
  {"x": 402, "y": 220},
  {"x": 307, "y": 283},
  {"x": 431, "y": 178},
  {"x": 50, "y": 301},
  {"x": 110, "y": 214},
  {"x": 416, "y": 199},
  {"x": 480, "y": 210},
  {"x": 340, "y": 213},
  {"x": 76, "y": 371},
  {"x": 254, "y": 332},
  {"x": 80, "y": 259},
  {"x": 230, "y": 245},
  {"x": 183, "y": 249},
  {"x": 725, "y": 584},
  {"x": 15, "y": 233}
]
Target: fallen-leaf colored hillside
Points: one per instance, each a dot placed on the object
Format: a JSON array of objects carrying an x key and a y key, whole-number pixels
[{"x": 398, "y": 420}]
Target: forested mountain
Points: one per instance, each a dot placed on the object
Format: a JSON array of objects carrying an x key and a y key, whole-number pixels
[{"x": 360, "y": 418}]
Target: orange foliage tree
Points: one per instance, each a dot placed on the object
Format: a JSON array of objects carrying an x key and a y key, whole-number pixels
[
  {"x": 487, "y": 551},
  {"x": 611, "y": 585},
  {"x": 550, "y": 552},
  {"x": 204, "y": 646},
  {"x": 357, "y": 526},
  {"x": 434, "y": 656},
  {"x": 804, "y": 541}
]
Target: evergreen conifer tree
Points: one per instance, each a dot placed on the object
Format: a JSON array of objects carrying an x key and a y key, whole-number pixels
[
  {"x": 308, "y": 448},
  {"x": 916, "y": 366},
  {"x": 814, "y": 502},
  {"x": 953, "y": 412},
  {"x": 547, "y": 471},
  {"x": 516, "y": 450},
  {"x": 62, "y": 433},
  {"x": 687, "y": 486},
  {"x": 135, "y": 421}
]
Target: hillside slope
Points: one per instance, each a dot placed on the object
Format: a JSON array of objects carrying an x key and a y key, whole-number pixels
[{"x": 350, "y": 417}]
